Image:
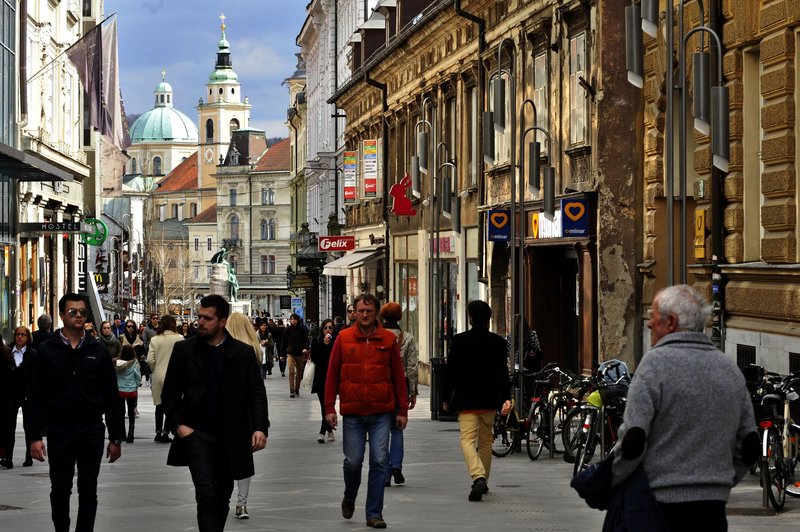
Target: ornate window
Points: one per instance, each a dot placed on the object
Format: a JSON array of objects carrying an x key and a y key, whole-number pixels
[
  {"x": 264, "y": 229},
  {"x": 209, "y": 130},
  {"x": 272, "y": 229},
  {"x": 157, "y": 165},
  {"x": 234, "y": 223}
]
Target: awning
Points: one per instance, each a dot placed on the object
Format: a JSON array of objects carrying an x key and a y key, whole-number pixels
[
  {"x": 24, "y": 166},
  {"x": 354, "y": 259}
]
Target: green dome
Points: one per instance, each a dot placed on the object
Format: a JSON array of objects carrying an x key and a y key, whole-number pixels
[
  {"x": 163, "y": 124},
  {"x": 163, "y": 87},
  {"x": 223, "y": 75}
]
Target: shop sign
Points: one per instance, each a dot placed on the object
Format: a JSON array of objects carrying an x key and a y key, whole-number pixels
[
  {"x": 499, "y": 226},
  {"x": 542, "y": 227},
  {"x": 336, "y": 243},
  {"x": 575, "y": 217},
  {"x": 301, "y": 281},
  {"x": 443, "y": 244},
  {"x": 350, "y": 174},
  {"x": 54, "y": 227},
  {"x": 297, "y": 307},
  {"x": 370, "y": 168},
  {"x": 101, "y": 279}
]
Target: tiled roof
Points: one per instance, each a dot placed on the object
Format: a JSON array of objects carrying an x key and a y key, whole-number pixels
[
  {"x": 276, "y": 159},
  {"x": 183, "y": 177},
  {"x": 208, "y": 215}
]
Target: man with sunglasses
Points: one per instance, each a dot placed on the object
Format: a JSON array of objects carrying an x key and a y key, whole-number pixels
[{"x": 73, "y": 385}]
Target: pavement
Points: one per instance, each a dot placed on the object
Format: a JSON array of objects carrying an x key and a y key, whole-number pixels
[{"x": 298, "y": 485}]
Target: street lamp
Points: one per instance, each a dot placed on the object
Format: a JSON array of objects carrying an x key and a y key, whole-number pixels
[{"x": 720, "y": 120}]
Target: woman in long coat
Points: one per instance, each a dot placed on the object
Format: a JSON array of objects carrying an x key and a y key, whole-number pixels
[
  {"x": 321, "y": 348},
  {"x": 158, "y": 358}
]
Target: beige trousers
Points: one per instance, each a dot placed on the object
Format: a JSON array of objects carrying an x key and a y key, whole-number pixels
[{"x": 476, "y": 443}]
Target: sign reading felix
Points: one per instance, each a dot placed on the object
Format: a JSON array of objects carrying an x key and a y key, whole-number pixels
[{"x": 336, "y": 243}]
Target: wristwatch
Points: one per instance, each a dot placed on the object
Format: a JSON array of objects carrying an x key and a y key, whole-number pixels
[{"x": 117, "y": 442}]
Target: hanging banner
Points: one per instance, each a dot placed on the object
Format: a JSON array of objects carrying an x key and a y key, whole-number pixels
[
  {"x": 499, "y": 227},
  {"x": 350, "y": 174},
  {"x": 370, "y": 168}
]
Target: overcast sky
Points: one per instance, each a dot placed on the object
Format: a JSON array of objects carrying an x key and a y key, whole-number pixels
[{"x": 181, "y": 36}]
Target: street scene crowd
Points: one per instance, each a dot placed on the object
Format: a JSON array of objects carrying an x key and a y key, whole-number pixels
[{"x": 672, "y": 468}]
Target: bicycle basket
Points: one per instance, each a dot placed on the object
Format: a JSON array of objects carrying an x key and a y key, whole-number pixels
[{"x": 610, "y": 392}]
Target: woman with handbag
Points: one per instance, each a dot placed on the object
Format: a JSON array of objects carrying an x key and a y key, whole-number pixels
[{"x": 321, "y": 348}]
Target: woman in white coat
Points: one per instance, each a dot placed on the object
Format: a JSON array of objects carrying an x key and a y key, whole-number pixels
[{"x": 158, "y": 357}]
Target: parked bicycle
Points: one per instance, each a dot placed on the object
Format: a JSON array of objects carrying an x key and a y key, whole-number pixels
[
  {"x": 554, "y": 394},
  {"x": 780, "y": 449},
  {"x": 602, "y": 415}
]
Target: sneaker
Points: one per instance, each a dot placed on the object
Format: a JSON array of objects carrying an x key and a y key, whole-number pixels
[
  {"x": 291, "y": 395},
  {"x": 376, "y": 522},
  {"x": 398, "y": 476},
  {"x": 348, "y": 508},
  {"x": 478, "y": 489},
  {"x": 331, "y": 437},
  {"x": 241, "y": 512},
  {"x": 321, "y": 438}
]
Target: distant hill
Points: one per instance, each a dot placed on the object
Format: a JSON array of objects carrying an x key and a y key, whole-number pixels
[{"x": 271, "y": 141}]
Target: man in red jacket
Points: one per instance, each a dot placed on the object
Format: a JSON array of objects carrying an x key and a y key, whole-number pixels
[{"x": 366, "y": 371}]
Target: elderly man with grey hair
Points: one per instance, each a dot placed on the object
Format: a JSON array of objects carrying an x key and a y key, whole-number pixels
[{"x": 689, "y": 419}]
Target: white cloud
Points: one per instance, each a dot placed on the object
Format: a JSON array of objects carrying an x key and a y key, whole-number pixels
[{"x": 272, "y": 128}]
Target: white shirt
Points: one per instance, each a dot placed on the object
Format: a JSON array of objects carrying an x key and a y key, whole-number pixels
[{"x": 17, "y": 352}]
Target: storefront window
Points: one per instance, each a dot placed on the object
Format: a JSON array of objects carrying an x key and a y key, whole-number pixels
[
  {"x": 6, "y": 289},
  {"x": 407, "y": 278}
]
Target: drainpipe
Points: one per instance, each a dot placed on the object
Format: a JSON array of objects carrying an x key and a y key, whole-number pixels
[
  {"x": 296, "y": 201},
  {"x": 482, "y": 276},
  {"x": 385, "y": 170},
  {"x": 23, "y": 66}
]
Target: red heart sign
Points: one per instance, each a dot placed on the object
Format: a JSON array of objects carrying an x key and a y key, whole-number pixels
[{"x": 499, "y": 219}]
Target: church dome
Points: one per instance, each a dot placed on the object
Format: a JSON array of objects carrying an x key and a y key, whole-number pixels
[{"x": 163, "y": 122}]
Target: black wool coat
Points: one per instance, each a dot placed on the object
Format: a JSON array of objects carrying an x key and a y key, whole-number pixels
[{"x": 244, "y": 401}]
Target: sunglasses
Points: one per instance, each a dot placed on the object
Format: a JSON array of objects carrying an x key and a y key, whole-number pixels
[
  {"x": 89, "y": 330},
  {"x": 76, "y": 312},
  {"x": 130, "y": 327}
]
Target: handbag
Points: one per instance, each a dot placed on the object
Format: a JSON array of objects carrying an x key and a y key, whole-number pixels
[{"x": 308, "y": 376}]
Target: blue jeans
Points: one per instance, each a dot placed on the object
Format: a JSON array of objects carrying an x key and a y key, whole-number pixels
[
  {"x": 355, "y": 430},
  {"x": 395, "y": 450}
]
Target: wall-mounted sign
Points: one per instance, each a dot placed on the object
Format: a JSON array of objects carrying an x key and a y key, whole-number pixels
[
  {"x": 336, "y": 243},
  {"x": 301, "y": 281},
  {"x": 700, "y": 234},
  {"x": 499, "y": 226},
  {"x": 401, "y": 205},
  {"x": 350, "y": 175},
  {"x": 574, "y": 217},
  {"x": 54, "y": 227},
  {"x": 370, "y": 168},
  {"x": 542, "y": 227}
]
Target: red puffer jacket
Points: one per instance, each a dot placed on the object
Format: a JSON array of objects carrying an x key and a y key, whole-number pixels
[{"x": 367, "y": 374}]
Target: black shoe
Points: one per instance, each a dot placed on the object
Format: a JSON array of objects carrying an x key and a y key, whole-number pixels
[
  {"x": 479, "y": 487},
  {"x": 388, "y": 482},
  {"x": 27, "y": 463},
  {"x": 398, "y": 476},
  {"x": 291, "y": 395},
  {"x": 7, "y": 463},
  {"x": 376, "y": 522},
  {"x": 348, "y": 508}
]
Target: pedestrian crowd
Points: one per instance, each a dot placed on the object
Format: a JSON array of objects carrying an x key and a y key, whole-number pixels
[{"x": 76, "y": 387}]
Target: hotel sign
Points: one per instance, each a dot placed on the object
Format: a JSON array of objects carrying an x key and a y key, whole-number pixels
[{"x": 54, "y": 227}]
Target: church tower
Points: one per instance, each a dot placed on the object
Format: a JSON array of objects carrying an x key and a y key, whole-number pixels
[{"x": 219, "y": 114}]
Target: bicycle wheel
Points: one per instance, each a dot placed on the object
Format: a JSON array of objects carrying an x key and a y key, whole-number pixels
[
  {"x": 503, "y": 442},
  {"x": 535, "y": 442},
  {"x": 570, "y": 432},
  {"x": 559, "y": 421},
  {"x": 587, "y": 442},
  {"x": 774, "y": 470}
]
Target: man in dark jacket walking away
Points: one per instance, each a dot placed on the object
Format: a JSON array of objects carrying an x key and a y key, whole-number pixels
[
  {"x": 294, "y": 348},
  {"x": 214, "y": 396},
  {"x": 477, "y": 386},
  {"x": 367, "y": 374},
  {"x": 73, "y": 385}
]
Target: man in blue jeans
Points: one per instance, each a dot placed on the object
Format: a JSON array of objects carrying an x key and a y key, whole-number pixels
[{"x": 367, "y": 374}]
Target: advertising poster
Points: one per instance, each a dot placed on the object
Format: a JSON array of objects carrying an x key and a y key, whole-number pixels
[
  {"x": 350, "y": 173},
  {"x": 370, "y": 168}
]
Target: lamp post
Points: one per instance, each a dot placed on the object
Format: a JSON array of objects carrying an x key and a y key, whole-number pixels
[{"x": 646, "y": 18}]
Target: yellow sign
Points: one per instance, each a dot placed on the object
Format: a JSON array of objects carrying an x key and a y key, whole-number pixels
[
  {"x": 535, "y": 225},
  {"x": 700, "y": 234}
]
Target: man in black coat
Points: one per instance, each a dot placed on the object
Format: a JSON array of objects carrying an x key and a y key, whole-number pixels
[
  {"x": 477, "y": 385},
  {"x": 214, "y": 396},
  {"x": 73, "y": 385}
]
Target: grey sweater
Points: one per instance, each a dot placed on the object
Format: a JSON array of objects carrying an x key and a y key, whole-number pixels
[{"x": 692, "y": 402}]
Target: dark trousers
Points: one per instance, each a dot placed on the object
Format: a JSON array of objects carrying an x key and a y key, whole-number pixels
[
  {"x": 213, "y": 482},
  {"x": 325, "y": 426},
  {"x": 10, "y": 430},
  {"x": 160, "y": 419},
  {"x": 131, "y": 402},
  {"x": 282, "y": 364},
  {"x": 66, "y": 447},
  {"x": 705, "y": 516}
]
